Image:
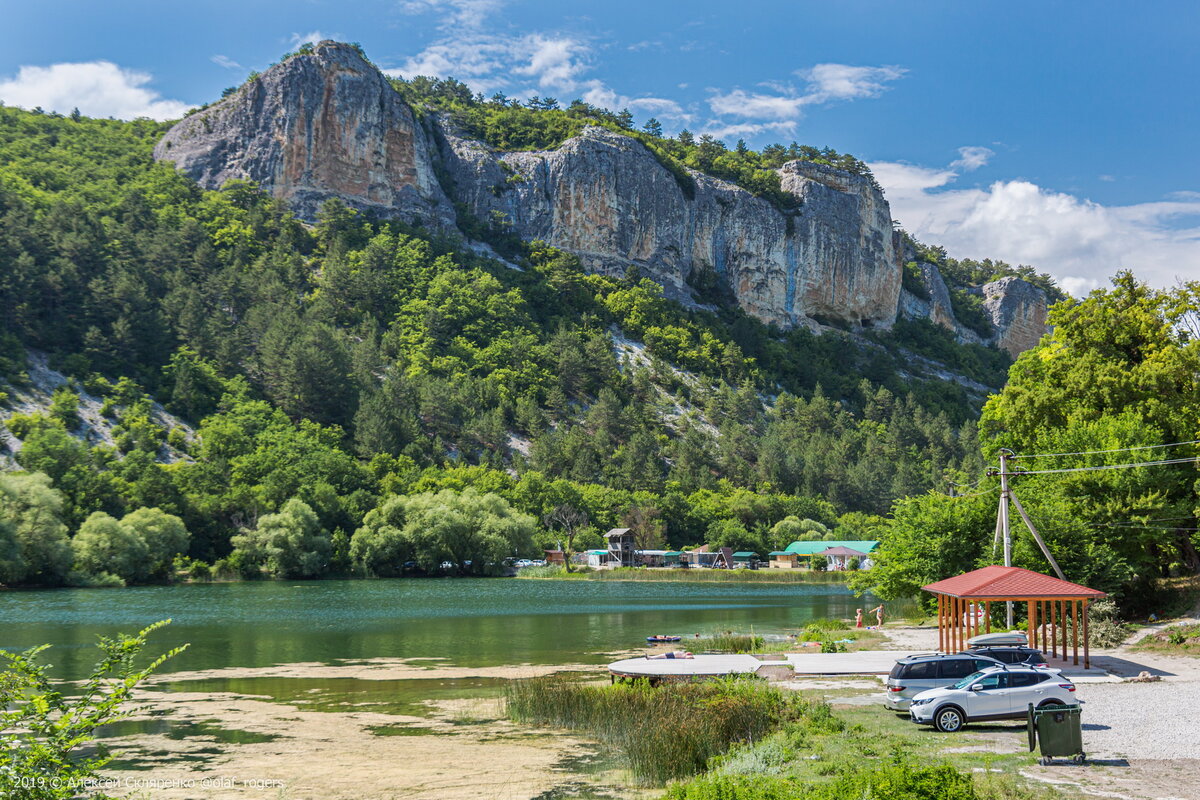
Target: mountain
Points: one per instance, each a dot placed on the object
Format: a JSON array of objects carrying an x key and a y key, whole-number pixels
[
  {"x": 821, "y": 250},
  {"x": 336, "y": 299}
]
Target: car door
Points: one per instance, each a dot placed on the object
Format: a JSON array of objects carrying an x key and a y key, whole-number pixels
[
  {"x": 1025, "y": 688},
  {"x": 991, "y": 699}
]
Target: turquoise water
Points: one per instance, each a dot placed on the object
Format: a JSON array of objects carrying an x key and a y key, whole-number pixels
[{"x": 460, "y": 622}]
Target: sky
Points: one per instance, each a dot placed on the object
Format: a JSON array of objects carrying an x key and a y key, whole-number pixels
[{"x": 1056, "y": 134}]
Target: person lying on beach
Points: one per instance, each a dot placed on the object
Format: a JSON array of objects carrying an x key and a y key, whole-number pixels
[{"x": 672, "y": 654}]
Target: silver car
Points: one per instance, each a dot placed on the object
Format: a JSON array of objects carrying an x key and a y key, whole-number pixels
[
  {"x": 916, "y": 673},
  {"x": 992, "y": 694}
]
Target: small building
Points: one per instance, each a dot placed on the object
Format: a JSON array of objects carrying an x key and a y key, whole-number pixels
[
  {"x": 701, "y": 556},
  {"x": 555, "y": 557},
  {"x": 724, "y": 559},
  {"x": 621, "y": 548},
  {"x": 838, "y": 558},
  {"x": 806, "y": 550},
  {"x": 745, "y": 557},
  {"x": 650, "y": 558},
  {"x": 673, "y": 558},
  {"x": 597, "y": 559},
  {"x": 782, "y": 559}
]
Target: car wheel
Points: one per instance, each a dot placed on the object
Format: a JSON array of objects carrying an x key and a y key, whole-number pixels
[
  {"x": 949, "y": 719},
  {"x": 1046, "y": 703}
]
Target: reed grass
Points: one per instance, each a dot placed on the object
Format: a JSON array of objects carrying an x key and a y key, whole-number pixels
[
  {"x": 662, "y": 733},
  {"x": 698, "y": 575},
  {"x": 731, "y": 643}
]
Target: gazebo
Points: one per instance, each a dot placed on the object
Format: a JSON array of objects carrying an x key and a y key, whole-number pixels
[
  {"x": 1054, "y": 607},
  {"x": 839, "y": 556}
]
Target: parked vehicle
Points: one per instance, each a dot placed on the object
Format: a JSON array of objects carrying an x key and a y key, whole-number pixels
[
  {"x": 917, "y": 673},
  {"x": 1025, "y": 656},
  {"x": 991, "y": 694}
]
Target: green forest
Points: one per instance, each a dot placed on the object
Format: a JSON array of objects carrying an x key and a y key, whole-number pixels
[{"x": 362, "y": 397}]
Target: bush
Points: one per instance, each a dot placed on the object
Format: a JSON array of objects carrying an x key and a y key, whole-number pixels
[
  {"x": 894, "y": 782},
  {"x": 1105, "y": 628},
  {"x": 103, "y": 545},
  {"x": 42, "y": 728},
  {"x": 732, "y": 643},
  {"x": 164, "y": 535},
  {"x": 663, "y": 733},
  {"x": 290, "y": 544},
  {"x": 64, "y": 407}
]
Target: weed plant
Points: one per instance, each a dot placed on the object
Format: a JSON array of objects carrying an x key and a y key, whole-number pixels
[{"x": 664, "y": 732}]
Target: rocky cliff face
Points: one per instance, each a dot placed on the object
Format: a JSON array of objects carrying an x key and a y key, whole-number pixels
[
  {"x": 328, "y": 124},
  {"x": 1018, "y": 312},
  {"x": 317, "y": 126},
  {"x": 607, "y": 198}
]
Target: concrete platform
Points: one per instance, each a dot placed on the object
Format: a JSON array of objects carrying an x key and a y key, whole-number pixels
[{"x": 862, "y": 662}]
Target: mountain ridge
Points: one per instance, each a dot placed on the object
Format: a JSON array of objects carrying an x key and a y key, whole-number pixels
[{"x": 326, "y": 123}]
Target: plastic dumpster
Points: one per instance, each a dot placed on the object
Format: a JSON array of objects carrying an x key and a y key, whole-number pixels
[{"x": 1058, "y": 731}]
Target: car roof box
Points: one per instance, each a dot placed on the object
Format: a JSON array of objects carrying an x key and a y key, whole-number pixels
[{"x": 993, "y": 639}]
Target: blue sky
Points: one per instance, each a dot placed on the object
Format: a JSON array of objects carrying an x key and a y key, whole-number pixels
[{"x": 1059, "y": 134}]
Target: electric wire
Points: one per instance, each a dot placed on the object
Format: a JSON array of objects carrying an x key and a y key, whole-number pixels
[
  {"x": 1099, "y": 452},
  {"x": 1161, "y": 463}
]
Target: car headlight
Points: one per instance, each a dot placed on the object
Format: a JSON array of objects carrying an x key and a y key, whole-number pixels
[{"x": 920, "y": 702}]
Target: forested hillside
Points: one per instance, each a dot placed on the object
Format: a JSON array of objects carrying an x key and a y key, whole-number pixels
[
  {"x": 1102, "y": 419},
  {"x": 343, "y": 363}
]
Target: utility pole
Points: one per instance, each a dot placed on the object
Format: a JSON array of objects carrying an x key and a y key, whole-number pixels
[{"x": 1005, "y": 530}]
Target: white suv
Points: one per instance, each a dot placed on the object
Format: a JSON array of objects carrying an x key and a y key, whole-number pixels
[{"x": 996, "y": 693}]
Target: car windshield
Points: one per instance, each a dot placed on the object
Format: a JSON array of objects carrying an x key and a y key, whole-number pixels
[{"x": 967, "y": 681}]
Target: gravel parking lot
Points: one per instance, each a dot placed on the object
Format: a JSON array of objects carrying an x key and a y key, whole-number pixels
[{"x": 1142, "y": 720}]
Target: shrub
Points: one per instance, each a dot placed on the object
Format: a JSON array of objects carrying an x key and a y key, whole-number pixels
[
  {"x": 164, "y": 535},
  {"x": 662, "y": 733},
  {"x": 732, "y": 643},
  {"x": 64, "y": 407},
  {"x": 290, "y": 544},
  {"x": 42, "y": 728},
  {"x": 105, "y": 545},
  {"x": 1105, "y": 628}
]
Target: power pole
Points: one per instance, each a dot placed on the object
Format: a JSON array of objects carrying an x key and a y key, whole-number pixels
[{"x": 1005, "y": 530}]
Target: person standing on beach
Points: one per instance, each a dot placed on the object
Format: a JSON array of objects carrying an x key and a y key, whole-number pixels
[
  {"x": 879, "y": 614},
  {"x": 858, "y": 619}
]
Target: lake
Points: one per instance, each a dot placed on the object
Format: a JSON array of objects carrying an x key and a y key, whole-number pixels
[{"x": 464, "y": 622}]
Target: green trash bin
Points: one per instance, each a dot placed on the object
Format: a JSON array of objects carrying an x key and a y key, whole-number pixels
[{"x": 1058, "y": 731}]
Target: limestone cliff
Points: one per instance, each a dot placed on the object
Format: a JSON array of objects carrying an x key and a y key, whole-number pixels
[
  {"x": 316, "y": 126},
  {"x": 328, "y": 124}
]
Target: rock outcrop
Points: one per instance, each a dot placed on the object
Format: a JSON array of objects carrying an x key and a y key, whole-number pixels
[
  {"x": 328, "y": 124},
  {"x": 1018, "y": 312},
  {"x": 316, "y": 126},
  {"x": 607, "y": 198}
]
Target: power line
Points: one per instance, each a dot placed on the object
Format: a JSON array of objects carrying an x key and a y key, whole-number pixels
[
  {"x": 1161, "y": 463},
  {"x": 1098, "y": 452}
]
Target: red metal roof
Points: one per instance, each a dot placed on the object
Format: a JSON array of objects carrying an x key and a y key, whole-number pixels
[{"x": 995, "y": 582}]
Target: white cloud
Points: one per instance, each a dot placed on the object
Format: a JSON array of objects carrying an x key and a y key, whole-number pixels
[
  {"x": 555, "y": 64},
  {"x": 743, "y": 104},
  {"x": 1079, "y": 242},
  {"x": 226, "y": 62},
  {"x": 972, "y": 158},
  {"x": 825, "y": 83},
  {"x": 741, "y": 130},
  {"x": 847, "y": 82},
  {"x": 96, "y": 88},
  {"x": 456, "y": 13},
  {"x": 312, "y": 37}
]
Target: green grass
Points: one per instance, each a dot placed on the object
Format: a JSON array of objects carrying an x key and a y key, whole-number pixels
[
  {"x": 662, "y": 733},
  {"x": 855, "y": 752},
  {"x": 730, "y": 643},
  {"x": 1176, "y": 640},
  {"x": 695, "y": 575}
]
